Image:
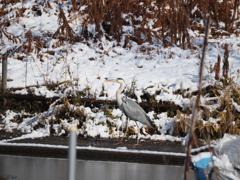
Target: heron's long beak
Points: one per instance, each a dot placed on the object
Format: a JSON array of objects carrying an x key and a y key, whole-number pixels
[{"x": 110, "y": 80}]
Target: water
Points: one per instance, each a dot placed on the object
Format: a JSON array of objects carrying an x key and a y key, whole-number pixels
[{"x": 35, "y": 168}]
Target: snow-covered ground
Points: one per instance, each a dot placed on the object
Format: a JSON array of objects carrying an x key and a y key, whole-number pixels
[{"x": 84, "y": 66}]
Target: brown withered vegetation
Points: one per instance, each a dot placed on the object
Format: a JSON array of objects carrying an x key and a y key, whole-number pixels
[
  {"x": 226, "y": 98},
  {"x": 172, "y": 19},
  {"x": 225, "y": 62},
  {"x": 64, "y": 32},
  {"x": 168, "y": 21},
  {"x": 10, "y": 36},
  {"x": 216, "y": 68}
]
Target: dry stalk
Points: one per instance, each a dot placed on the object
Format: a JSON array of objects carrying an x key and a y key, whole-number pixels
[
  {"x": 217, "y": 68},
  {"x": 65, "y": 30},
  {"x": 11, "y": 36},
  {"x": 29, "y": 37},
  {"x": 226, "y": 62},
  {"x": 195, "y": 109}
]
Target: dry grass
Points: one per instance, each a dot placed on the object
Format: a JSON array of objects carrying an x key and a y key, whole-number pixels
[
  {"x": 170, "y": 20},
  {"x": 224, "y": 109},
  {"x": 181, "y": 124},
  {"x": 64, "y": 31}
]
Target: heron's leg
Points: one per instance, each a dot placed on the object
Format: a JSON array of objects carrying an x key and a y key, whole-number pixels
[
  {"x": 126, "y": 130},
  {"x": 138, "y": 135},
  {"x": 124, "y": 133}
]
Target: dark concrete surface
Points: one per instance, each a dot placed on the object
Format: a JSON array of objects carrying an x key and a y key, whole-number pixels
[{"x": 101, "y": 155}]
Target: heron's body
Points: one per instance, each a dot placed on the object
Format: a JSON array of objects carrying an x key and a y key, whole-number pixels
[
  {"x": 130, "y": 108},
  {"x": 134, "y": 112}
]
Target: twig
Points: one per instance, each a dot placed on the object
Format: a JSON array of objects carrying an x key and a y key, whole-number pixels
[{"x": 195, "y": 108}]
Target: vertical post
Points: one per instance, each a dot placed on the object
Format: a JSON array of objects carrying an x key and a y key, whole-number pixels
[
  {"x": 197, "y": 102},
  {"x": 4, "y": 73},
  {"x": 72, "y": 154}
]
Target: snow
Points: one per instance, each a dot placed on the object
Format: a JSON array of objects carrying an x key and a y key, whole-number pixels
[
  {"x": 86, "y": 65},
  {"x": 39, "y": 133},
  {"x": 91, "y": 148},
  {"x": 224, "y": 157},
  {"x": 200, "y": 156},
  {"x": 223, "y": 162}
]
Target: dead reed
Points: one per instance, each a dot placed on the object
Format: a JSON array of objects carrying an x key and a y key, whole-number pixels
[{"x": 168, "y": 21}]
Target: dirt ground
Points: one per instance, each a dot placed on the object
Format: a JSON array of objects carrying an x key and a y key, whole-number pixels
[{"x": 101, "y": 155}]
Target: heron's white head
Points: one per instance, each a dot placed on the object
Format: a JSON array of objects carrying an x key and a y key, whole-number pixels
[
  {"x": 118, "y": 80},
  {"x": 121, "y": 82}
]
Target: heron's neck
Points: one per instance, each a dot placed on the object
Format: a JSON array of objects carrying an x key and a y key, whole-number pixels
[{"x": 118, "y": 94}]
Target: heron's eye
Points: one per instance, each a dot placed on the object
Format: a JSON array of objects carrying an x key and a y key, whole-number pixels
[{"x": 119, "y": 79}]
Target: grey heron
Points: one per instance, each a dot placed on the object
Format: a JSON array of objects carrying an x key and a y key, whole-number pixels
[{"x": 130, "y": 108}]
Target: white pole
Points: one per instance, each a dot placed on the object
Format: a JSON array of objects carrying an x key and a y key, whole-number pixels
[{"x": 72, "y": 154}]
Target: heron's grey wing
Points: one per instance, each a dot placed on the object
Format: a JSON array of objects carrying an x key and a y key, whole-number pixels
[{"x": 135, "y": 112}]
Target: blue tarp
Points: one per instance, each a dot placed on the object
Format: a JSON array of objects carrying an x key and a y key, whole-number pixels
[{"x": 223, "y": 163}]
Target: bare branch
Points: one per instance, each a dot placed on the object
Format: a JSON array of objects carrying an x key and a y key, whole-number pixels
[{"x": 195, "y": 108}]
